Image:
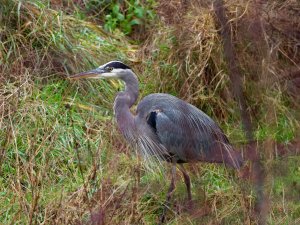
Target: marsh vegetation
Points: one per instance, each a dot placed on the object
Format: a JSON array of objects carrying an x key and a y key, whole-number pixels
[{"x": 62, "y": 159}]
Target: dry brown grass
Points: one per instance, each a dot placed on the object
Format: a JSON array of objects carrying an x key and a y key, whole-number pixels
[
  {"x": 189, "y": 52},
  {"x": 62, "y": 160}
]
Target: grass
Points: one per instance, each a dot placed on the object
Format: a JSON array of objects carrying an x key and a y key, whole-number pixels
[{"x": 62, "y": 158}]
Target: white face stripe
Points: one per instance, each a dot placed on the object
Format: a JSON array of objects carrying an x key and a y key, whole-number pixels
[
  {"x": 109, "y": 75},
  {"x": 115, "y": 73},
  {"x": 118, "y": 70}
]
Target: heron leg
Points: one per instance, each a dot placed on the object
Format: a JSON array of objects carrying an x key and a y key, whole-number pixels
[
  {"x": 169, "y": 194},
  {"x": 187, "y": 181}
]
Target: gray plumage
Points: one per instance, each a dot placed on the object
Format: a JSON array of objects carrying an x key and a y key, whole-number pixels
[
  {"x": 165, "y": 127},
  {"x": 168, "y": 128},
  {"x": 186, "y": 133}
]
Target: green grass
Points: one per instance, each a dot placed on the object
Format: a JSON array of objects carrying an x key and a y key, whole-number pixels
[
  {"x": 62, "y": 158},
  {"x": 285, "y": 191},
  {"x": 62, "y": 131}
]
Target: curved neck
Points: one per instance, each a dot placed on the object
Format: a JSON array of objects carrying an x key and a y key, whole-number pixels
[
  {"x": 131, "y": 87},
  {"x": 125, "y": 100}
]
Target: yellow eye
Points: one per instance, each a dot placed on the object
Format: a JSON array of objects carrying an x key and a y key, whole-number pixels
[{"x": 109, "y": 69}]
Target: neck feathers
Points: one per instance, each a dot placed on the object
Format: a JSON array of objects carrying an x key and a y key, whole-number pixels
[
  {"x": 124, "y": 101},
  {"x": 129, "y": 96}
]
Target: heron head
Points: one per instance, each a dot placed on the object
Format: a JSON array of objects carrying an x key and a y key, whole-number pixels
[{"x": 113, "y": 69}]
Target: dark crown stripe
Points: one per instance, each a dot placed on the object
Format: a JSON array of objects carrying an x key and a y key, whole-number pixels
[{"x": 117, "y": 65}]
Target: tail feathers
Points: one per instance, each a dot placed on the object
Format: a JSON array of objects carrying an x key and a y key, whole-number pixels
[
  {"x": 225, "y": 154},
  {"x": 233, "y": 159}
]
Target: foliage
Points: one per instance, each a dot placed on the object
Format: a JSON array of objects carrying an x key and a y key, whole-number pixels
[
  {"x": 62, "y": 160},
  {"x": 127, "y": 15}
]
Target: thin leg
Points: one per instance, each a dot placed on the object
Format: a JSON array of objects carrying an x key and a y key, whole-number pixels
[
  {"x": 169, "y": 194},
  {"x": 187, "y": 181}
]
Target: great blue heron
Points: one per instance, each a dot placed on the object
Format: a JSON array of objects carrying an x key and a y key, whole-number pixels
[{"x": 165, "y": 127}]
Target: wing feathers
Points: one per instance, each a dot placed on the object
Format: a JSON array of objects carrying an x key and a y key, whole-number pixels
[{"x": 183, "y": 131}]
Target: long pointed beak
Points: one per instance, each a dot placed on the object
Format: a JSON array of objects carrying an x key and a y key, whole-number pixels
[{"x": 88, "y": 74}]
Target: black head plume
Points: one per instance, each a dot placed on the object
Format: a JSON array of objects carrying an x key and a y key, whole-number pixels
[{"x": 116, "y": 65}]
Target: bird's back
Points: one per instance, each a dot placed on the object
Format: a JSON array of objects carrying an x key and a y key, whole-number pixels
[{"x": 186, "y": 133}]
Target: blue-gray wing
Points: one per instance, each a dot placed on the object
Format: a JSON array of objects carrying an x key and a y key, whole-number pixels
[{"x": 186, "y": 132}]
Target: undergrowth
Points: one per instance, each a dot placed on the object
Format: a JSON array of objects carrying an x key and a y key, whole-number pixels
[{"x": 62, "y": 158}]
